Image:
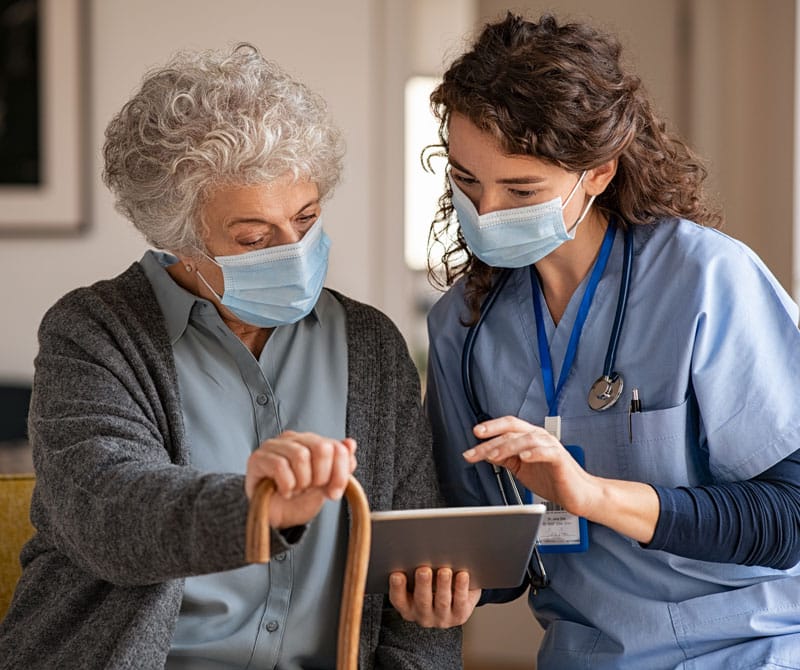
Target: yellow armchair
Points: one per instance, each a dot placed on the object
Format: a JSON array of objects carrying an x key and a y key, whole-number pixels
[{"x": 15, "y": 530}]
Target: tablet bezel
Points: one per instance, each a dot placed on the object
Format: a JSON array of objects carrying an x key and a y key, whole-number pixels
[{"x": 494, "y": 544}]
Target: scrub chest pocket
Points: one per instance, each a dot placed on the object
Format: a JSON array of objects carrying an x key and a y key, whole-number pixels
[{"x": 658, "y": 446}]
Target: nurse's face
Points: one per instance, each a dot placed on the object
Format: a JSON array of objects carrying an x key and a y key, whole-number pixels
[{"x": 494, "y": 180}]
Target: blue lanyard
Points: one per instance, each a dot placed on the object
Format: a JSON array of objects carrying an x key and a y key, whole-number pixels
[{"x": 552, "y": 392}]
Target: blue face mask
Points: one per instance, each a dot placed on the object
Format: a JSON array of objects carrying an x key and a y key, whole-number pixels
[
  {"x": 515, "y": 238},
  {"x": 278, "y": 285}
]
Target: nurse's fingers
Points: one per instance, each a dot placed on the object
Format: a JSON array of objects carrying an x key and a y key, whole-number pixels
[
  {"x": 504, "y": 424},
  {"x": 529, "y": 446}
]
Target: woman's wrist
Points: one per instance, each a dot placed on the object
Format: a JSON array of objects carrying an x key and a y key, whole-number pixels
[{"x": 630, "y": 508}]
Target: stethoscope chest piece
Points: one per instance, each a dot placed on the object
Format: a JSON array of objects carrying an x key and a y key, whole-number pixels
[{"x": 605, "y": 392}]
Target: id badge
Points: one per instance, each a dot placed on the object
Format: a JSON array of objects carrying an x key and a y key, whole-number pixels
[{"x": 560, "y": 531}]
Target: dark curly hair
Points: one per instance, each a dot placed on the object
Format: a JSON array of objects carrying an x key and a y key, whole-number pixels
[{"x": 560, "y": 93}]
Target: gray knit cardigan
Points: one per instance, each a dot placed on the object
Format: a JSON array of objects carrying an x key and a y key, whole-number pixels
[{"x": 120, "y": 516}]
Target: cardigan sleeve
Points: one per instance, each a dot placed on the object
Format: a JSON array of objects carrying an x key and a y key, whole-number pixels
[{"x": 112, "y": 492}]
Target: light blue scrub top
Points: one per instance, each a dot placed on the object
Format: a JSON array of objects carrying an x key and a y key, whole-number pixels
[
  {"x": 283, "y": 614},
  {"x": 711, "y": 342}
]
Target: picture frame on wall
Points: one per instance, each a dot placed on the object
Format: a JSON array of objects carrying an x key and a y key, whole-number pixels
[{"x": 43, "y": 117}]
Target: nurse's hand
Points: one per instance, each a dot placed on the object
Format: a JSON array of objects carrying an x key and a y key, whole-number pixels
[
  {"x": 451, "y": 604},
  {"x": 307, "y": 469},
  {"x": 535, "y": 457},
  {"x": 542, "y": 464}
]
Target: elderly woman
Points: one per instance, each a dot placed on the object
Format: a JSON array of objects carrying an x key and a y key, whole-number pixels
[{"x": 162, "y": 396}]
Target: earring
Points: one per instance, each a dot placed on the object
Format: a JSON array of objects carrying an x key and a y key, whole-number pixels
[{"x": 188, "y": 267}]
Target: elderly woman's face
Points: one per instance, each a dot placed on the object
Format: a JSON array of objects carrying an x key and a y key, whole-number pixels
[{"x": 239, "y": 219}]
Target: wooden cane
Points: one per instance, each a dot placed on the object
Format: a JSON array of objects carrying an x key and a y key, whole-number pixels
[{"x": 355, "y": 578}]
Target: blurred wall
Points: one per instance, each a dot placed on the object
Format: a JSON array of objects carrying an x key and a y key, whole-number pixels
[{"x": 329, "y": 45}]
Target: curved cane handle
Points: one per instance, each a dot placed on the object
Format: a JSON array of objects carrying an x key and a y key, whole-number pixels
[{"x": 355, "y": 578}]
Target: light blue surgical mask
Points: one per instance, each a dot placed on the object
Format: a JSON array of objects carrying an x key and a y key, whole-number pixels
[
  {"x": 515, "y": 238},
  {"x": 275, "y": 286}
]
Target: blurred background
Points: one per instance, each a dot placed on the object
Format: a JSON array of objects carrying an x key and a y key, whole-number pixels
[{"x": 722, "y": 72}]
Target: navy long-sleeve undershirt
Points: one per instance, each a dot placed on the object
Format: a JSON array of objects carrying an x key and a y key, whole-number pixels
[{"x": 752, "y": 522}]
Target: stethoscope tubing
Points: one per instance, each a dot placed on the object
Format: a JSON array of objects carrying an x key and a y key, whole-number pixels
[
  {"x": 469, "y": 344},
  {"x": 502, "y": 280},
  {"x": 622, "y": 305}
]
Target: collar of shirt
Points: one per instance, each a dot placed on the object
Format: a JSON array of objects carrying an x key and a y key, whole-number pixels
[{"x": 175, "y": 301}]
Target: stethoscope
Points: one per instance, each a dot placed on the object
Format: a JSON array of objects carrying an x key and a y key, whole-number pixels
[{"x": 603, "y": 394}]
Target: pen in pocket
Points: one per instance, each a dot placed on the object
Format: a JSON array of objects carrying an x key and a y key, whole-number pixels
[{"x": 636, "y": 406}]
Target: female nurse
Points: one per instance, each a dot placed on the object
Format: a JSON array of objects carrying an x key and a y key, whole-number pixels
[{"x": 602, "y": 347}]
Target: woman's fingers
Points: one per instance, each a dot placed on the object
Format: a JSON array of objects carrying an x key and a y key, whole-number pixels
[
  {"x": 443, "y": 596},
  {"x": 464, "y": 598},
  {"x": 400, "y": 597},
  {"x": 307, "y": 468},
  {"x": 299, "y": 461},
  {"x": 449, "y": 604},
  {"x": 350, "y": 444},
  {"x": 269, "y": 464},
  {"x": 423, "y": 597},
  {"x": 339, "y": 472}
]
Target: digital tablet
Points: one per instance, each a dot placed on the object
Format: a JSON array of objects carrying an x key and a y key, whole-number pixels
[{"x": 493, "y": 544}]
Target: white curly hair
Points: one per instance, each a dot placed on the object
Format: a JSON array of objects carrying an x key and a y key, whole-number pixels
[{"x": 208, "y": 119}]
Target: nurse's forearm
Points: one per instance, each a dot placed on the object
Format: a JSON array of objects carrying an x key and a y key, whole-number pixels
[
  {"x": 753, "y": 522},
  {"x": 630, "y": 508}
]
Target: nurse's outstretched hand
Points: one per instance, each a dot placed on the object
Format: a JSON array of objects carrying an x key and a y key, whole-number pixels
[
  {"x": 307, "y": 470},
  {"x": 538, "y": 460},
  {"x": 450, "y": 604}
]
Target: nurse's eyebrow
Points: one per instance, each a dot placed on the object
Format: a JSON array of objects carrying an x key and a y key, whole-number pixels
[
  {"x": 509, "y": 180},
  {"x": 522, "y": 180},
  {"x": 458, "y": 166}
]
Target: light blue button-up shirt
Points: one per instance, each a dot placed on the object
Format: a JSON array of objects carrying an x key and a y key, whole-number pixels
[{"x": 283, "y": 614}]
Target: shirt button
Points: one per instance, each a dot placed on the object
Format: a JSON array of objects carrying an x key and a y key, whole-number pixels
[
  {"x": 261, "y": 399},
  {"x": 281, "y": 556},
  {"x": 272, "y": 626}
]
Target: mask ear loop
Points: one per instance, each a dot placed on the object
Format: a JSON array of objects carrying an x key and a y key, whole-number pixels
[
  {"x": 202, "y": 278},
  {"x": 582, "y": 216},
  {"x": 586, "y": 209},
  {"x": 208, "y": 286}
]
